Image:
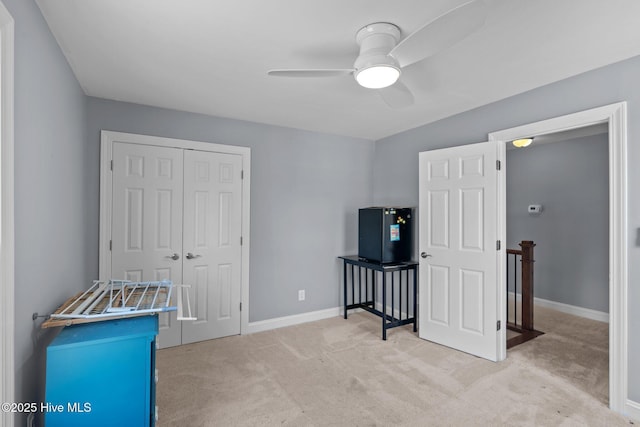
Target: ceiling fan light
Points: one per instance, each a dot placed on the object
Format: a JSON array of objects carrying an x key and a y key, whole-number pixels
[
  {"x": 377, "y": 76},
  {"x": 522, "y": 142}
]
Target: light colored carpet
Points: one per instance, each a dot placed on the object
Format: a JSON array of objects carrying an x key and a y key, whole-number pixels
[{"x": 338, "y": 372}]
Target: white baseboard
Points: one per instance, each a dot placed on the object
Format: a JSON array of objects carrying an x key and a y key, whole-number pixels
[
  {"x": 378, "y": 306},
  {"x": 397, "y": 312},
  {"x": 296, "y": 319},
  {"x": 588, "y": 313},
  {"x": 312, "y": 316},
  {"x": 632, "y": 410}
]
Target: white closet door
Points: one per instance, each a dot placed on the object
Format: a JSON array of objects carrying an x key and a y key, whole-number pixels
[
  {"x": 211, "y": 242},
  {"x": 147, "y": 220}
]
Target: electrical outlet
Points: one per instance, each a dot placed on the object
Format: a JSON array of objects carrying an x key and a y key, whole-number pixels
[{"x": 301, "y": 295}]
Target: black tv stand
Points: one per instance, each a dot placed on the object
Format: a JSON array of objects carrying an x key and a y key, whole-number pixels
[{"x": 393, "y": 315}]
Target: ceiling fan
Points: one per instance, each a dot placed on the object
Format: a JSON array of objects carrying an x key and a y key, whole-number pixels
[{"x": 383, "y": 55}]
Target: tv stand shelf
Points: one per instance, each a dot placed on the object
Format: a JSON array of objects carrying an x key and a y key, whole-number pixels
[{"x": 403, "y": 280}]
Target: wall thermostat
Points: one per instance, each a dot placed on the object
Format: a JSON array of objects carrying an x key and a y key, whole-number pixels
[{"x": 534, "y": 209}]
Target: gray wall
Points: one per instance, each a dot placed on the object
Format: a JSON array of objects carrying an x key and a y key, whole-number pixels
[
  {"x": 571, "y": 180},
  {"x": 306, "y": 189},
  {"x": 51, "y": 259},
  {"x": 398, "y": 154}
]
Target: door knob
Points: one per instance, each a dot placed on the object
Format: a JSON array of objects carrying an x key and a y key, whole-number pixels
[
  {"x": 192, "y": 256},
  {"x": 174, "y": 257},
  {"x": 425, "y": 255}
]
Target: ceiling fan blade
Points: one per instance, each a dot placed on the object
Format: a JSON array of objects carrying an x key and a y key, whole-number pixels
[
  {"x": 310, "y": 73},
  {"x": 397, "y": 95},
  {"x": 441, "y": 33}
]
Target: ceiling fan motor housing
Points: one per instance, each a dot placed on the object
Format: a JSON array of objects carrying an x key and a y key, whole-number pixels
[{"x": 376, "y": 41}]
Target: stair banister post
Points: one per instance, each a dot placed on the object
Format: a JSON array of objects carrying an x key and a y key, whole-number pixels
[{"x": 527, "y": 284}]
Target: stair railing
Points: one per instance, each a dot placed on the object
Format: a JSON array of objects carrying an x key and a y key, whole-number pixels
[{"x": 524, "y": 298}]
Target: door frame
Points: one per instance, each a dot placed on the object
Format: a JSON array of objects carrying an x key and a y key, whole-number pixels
[
  {"x": 108, "y": 138},
  {"x": 7, "y": 225},
  {"x": 615, "y": 115}
]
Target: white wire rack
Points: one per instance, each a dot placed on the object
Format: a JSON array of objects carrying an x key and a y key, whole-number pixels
[{"x": 116, "y": 298}]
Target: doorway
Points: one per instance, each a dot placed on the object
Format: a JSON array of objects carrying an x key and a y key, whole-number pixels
[
  {"x": 557, "y": 196},
  {"x": 614, "y": 117}
]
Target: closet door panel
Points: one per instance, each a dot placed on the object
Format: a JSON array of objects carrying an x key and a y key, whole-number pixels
[
  {"x": 211, "y": 241},
  {"x": 147, "y": 216}
]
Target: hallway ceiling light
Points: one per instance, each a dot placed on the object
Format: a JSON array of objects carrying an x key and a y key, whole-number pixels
[{"x": 523, "y": 142}]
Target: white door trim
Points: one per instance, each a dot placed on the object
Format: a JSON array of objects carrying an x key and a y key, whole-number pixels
[
  {"x": 106, "y": 151},
  {"x": 616, "y": 116},
  {"x": 7, "y": 240}
]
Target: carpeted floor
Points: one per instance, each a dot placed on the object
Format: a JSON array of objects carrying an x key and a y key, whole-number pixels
[{"x": 338, "y": 372}]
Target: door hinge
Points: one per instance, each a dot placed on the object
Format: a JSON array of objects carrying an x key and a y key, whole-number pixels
[
  {"x": 111, "y": 166},
  {"x": 499, "y": 325},
  {"x": 110, "y": 245},
  {"x": 498, "y": 245},
  {"x": 240, "y": 306},
  {"x": 242, "y": 174},
  {"x": 498, "y": 165},
  {"x": 240, "y": 240}
]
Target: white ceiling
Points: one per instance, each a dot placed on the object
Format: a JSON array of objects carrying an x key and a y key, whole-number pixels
[{"x": 212, "y": 56}]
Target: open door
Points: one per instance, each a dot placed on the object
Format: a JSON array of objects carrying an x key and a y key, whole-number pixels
[{"x": 462, "y": 301}]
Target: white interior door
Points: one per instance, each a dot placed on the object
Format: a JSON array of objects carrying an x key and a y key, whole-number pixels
[
  {"x": 212, "y": 249},
  {"x": 147, "y": 220},
  {"x": 459, "y": 231}
]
